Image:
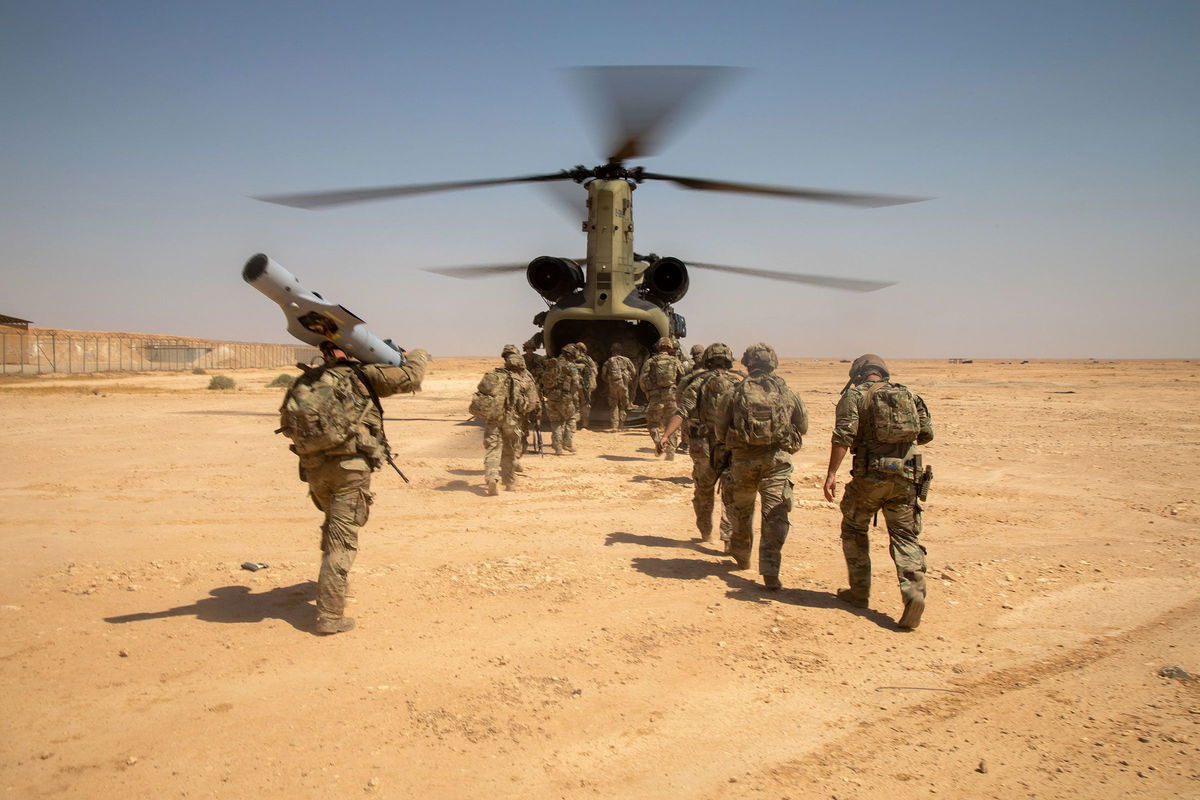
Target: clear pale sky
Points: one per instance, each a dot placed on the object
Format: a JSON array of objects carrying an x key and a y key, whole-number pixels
[{"x": 1061, "y": 141}]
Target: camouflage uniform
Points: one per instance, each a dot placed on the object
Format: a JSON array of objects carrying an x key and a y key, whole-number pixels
[
  {"x": 618, "y": 373},
  {"x": 763, "y": 469},
  {"x": 698, "y": 404},
  {"x": 871, "y": 490},
  {"x": 339, "y": 482},
  {"x": 661, "y": 394},
  {"x": 560, "y": 384},
  {"x": 577, "y": 354},
  {"x": 502, "y": 437},
  {"x": 534, "y": 363}
]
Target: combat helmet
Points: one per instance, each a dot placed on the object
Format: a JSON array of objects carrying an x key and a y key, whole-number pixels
[
  {"x": 510, "y": 350},
  {"x": 717, "y": 351},
  {"x": 760, "y": 357},
  {"x": 867, "y": 362},
  {"x": 665, "y": 345},
  {"x": 697, "y": 353}
]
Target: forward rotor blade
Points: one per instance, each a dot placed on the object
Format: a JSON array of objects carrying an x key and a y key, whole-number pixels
[
  {"x": 828, "y": 281},
  {"x": 798, "y": 193},
  {"x": 639, "y": 104},
  {"x": 312, "y": 200}
]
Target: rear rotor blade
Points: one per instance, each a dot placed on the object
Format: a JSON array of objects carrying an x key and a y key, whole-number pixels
[
  {"x": 639, "y": 104},
  {"x": 828, "y": 281},
  {"x": 798, "y": 193},
  {"x": 479, "y": 271},
  {"x": 312, "y": 200},
  {"x": 486, "y": 270}
]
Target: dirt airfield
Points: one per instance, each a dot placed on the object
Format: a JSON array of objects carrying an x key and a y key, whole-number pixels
[{"x": 574, "y": 639}]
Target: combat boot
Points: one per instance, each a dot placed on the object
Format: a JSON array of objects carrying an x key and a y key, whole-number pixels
[
  {"x": 771, "y": 583},
  {"x": 492, "y": 489},
  {"x": 850, "y": 597},
  {"x": 327, "y": 626}
]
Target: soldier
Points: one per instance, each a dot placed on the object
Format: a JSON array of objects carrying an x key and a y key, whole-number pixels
[
  {"x": 560, "y": 384},
  {"x": 698, "y": 404},
  {"x": 762, "y": 422},
  {"x": 333, "y": 416},
  {"x": 618, "y": 373},
  {"x": 534, "y": 361},
  {"x": 696, "y": 356},
  {"x": 881, "y": 423},
  {"x": 577, "y": 354},
  {"x": 504, "y": 400},
  {"x": 659, "y": 380}
]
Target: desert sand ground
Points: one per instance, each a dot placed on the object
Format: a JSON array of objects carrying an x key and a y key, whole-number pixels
[{"x": 574, "y": 639}]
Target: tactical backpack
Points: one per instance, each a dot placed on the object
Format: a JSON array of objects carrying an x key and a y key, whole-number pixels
[
  {"x": 709, "y": 395},
  {"x": 322, "y": 411},
  {"x": 493, "y": 396},
  {"x": 892, "y": 413},
  {"x": 617, "y": 369},
  {"x": 664, "y": 371},
  {"x": 762, "y": 414}
]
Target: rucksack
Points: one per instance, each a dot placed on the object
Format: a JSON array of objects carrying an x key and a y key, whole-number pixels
[
  {"x": 493, "y": 396},
  {"x": 708, "y": 396},
  {"x": 664, "y": 371},
  {"x": 322, "y": 411},
  {"x": 892, "y": 413},
  {"x": 762, "y": 414}
]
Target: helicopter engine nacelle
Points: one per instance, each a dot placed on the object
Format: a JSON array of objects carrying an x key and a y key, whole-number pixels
[
  {"x": 554, "y": 278},
  {"x": 666, "y": 280}
]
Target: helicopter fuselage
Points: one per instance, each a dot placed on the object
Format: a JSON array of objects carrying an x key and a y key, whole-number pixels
[{"x": 609, "y": 308}]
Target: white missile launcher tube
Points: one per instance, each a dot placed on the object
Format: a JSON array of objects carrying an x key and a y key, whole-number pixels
[{"x": 307, "y": 310}]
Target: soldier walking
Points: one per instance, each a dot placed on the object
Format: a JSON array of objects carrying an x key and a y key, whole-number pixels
[
  {"x": 659, "y": 380},
  {"x": 560, "y": 384},
  {"x": 576, "y": 353},
  {"x": 504, "y": 400},
  {"x": 881, "y": 423},
  {"x": 333, "y": 417},
  {"x": 618, "y": 373},
  {"x": 762, "y": 422},
  {"x": 699, "y": 402}
]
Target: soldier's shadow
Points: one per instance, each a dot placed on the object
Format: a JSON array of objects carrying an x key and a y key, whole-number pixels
[
  {"x": 462, "y": 486},
  {"x": 465, "y": 471},
  {"x": 610, "y": 457},
  {"x": 240, "y": 604},
  {"x": 679, "y": 480},
  {"x": 751, "y": 591},
  {"x": 622, "y": 537}
]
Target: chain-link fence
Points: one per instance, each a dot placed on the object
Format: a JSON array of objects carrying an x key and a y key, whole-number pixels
[{"x": 44, "y": 351}]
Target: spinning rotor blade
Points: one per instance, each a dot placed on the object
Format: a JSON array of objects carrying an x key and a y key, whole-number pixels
[
  {"x": 311, "y": 200},
  {"x": 480, "y": 271},
  {"x": 798, "y": 193},
  {"x": 639, "y": 104},
  {"x": 485, "y": 270},
  {"x": 828, "y": 281}
]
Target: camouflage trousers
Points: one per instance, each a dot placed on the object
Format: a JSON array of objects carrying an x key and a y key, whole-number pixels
[
  {"x": 897, "y": 498},
  {"x": 501, "y": 451},
  {"x": 344, "y": 494},
  {"x": 660, "y": 407},
  {"x": 767, "y": 475},
  {"x": 706, "y": 480},
  {"x": 562, "y": 425},
  {"x": 618, "y": 399},
  {"x": 583, "y": 417}
]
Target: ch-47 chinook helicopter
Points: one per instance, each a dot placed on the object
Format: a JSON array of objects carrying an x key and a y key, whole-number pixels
[{"x": 614, "y": 295}]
